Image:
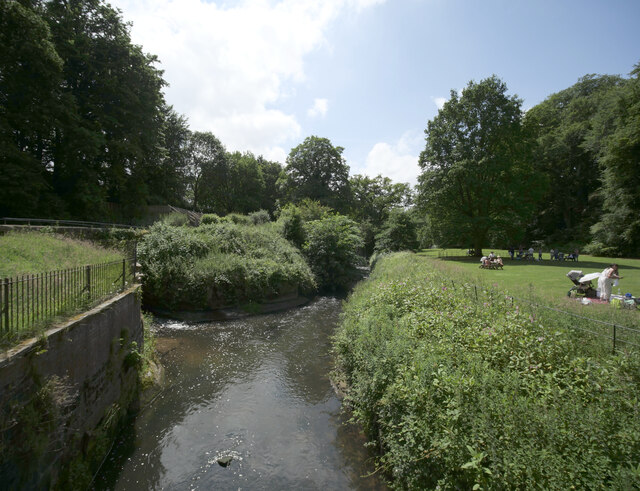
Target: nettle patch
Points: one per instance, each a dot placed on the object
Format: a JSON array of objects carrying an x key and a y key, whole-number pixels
[{"x": 469, "y": 393}]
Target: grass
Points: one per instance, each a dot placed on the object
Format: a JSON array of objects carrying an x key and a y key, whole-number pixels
[
  {"x": 36, "y": 252},
  {"x": 546, "y": 278},
  {"x": 462, "y": 388}
]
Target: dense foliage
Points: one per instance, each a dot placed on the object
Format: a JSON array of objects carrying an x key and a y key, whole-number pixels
[
  {"x": 317, "y": 170},
  {"x": 478, "y": 181},
  {"x": 331, "y": 247},
  {"x": 399, "y": 233},
  {"x": 462, "y": 395},
  {"x": 218, "y": 265}
]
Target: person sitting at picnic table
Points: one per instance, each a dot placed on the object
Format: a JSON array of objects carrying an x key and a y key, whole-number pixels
[
  {"x": 485, "y": 261},
  {"x": 605, "y": 282},
  {"x": 492, "y": 256},
  {"x": 497, "y": 260}
]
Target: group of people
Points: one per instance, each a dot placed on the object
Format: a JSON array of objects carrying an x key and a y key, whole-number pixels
[
  {"x": 606, "y": 280},
  {"x": 491, "y": 260},
  {"x": 524, "y": 253},
  {"x": 555, "y": 255}
]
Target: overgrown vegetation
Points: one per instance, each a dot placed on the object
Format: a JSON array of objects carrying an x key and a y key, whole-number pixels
[
  {"x": 460, "y": 394},
  {"x": 34, "y": 252},
  {"x": 218, "y": 265}
]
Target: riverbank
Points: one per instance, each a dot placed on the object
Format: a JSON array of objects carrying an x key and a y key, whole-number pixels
[{"x": 459, "y": 393}]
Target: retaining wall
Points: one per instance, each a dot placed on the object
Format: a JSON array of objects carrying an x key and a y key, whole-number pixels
[{"x": 58, "y": 391}]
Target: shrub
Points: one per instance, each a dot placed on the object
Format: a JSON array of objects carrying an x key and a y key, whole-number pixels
[
  {"x": 259, "y": 217},
  {"x": 466, "y": 395},
  {"x": 331, "y": 249},
  {"x": 175, "y": 219},
  {"x": 209, "y": 218}
]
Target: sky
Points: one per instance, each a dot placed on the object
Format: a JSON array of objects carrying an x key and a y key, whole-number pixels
[{"x": 262, "y": 75}]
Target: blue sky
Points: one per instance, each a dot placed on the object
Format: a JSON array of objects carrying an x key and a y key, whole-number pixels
[{"x": 368, "y": 74}]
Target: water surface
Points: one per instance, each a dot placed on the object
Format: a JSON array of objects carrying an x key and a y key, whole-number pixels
[{"x": 256, "y": 390}]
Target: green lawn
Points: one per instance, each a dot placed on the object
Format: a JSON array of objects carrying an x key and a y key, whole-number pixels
[
  {"x": 36, "y": 252},
  {"x": 547, "y": 278}
]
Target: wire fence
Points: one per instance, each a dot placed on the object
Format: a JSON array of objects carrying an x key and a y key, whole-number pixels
[
  {"x": 28, "y": 302},
  {"x": 618, "y": 336}
]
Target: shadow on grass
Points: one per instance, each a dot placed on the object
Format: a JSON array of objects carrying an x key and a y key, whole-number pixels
[{"x": 579, "y": 265}]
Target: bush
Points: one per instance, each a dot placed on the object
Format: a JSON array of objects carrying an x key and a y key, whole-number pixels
[
  {"x": 331, "y": 249},
  {"x": 218, "y": 265},
  {"x": 460, "y": 395},
  {"x": 259, "y": 217},
  {"x": 292, "y": 227},
  {"x": 175, "y": 219},
  {"x": 209, "y": 218}
]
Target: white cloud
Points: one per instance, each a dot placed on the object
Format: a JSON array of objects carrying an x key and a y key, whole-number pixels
[
  {"x": 229, "y": 65},
  {"x": 398, "y": 161},
  {"x": 439, "y": 101},
  {"x": 319, "y": 108}
]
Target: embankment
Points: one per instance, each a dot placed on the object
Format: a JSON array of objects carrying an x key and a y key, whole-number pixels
[{"x": 63, "y": 394}]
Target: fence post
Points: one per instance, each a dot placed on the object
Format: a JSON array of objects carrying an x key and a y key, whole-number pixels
[
  {"x": 135, "y": 259},
  {"x": 87, "y": 270},
  {"x": 5, "y": 304},
  {"x": 124, "y": 276}
]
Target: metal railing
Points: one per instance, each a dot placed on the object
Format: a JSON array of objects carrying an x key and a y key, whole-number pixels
[
  {"x": 62, "y": 223},
  {"x": 30, "y": 301}
]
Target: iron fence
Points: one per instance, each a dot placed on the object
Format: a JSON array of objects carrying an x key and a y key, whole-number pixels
[{"x": 34, "y": 300}]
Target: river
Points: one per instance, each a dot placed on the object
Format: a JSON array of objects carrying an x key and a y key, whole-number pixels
[{"x": 254, "y": 390}]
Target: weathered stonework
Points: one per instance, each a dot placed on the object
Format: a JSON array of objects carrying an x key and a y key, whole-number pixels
[{"x": 56, "y": 391}]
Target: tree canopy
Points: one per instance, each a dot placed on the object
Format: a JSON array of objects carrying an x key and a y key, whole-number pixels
[
  {"x": 317, "y": 170},
  {"x": 477, "y": 178}
]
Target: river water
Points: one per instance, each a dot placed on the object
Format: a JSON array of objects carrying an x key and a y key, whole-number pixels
[{"x": 256, "y": 390}]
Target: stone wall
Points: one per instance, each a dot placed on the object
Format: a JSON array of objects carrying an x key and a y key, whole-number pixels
[{"x": 58, "y": 392}]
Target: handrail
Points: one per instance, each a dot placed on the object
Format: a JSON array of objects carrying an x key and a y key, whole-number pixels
[{"x": 77, "y": 223}]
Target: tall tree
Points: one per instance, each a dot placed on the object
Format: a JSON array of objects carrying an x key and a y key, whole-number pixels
[
  {"x": 271, "y": 172},
  {"x": 208, "y": 170},
  {"x": 317, "y": 170},
  {"x": 108, "y": 140},
  {"x": 617, "y": 231},
  {"x": 246, "y": 182},
  {"x": 373, "y": 198},
  {"x": 477, "y": 181},
  {"x": 563, "y": 124},
  {"x": 30, "y": 77},
  {"x": 167, "y": 180}
]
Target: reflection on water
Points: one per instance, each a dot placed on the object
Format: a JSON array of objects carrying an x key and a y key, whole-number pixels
[{"x": 256, "y": 390}]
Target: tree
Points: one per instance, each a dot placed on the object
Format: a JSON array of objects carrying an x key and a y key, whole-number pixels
[
  {"x": 246, "y": 182},
  {"x": 372, "y": 201},
  {"x": 477, "y": 180},
  {"x": 316, "y": 170},
  {"x": 331, "y": 249},
  {"x": 30, "y": 76},
  {"x": 565, "y": 153},
  {"x": 208, "y": 171},
  {"x": 399, "y": 233},
  {"x": 617, "y": 232}
]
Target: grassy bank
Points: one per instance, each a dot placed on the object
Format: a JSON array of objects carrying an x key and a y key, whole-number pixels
[
  {"x": 36, "y": 252},
  {"x": 465, "y": 394}
]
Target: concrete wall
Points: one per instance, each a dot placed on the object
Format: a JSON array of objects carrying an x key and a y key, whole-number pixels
[{"x": 56, "y": 390}]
